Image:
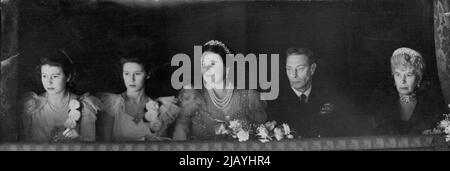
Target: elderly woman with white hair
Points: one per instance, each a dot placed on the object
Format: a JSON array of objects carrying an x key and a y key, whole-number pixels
[{"x": 411, "y": 106}]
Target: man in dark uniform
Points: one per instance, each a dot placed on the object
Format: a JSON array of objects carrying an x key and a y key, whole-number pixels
[{"x": 312, "y": 110}]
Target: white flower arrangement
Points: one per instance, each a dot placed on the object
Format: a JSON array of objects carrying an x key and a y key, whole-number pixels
[
  {"x": 242, "y": 131},
  {"x": 236, "y": 128},
  {"x": 267, "y": 131},
  {"x": 443, "y": 127}
]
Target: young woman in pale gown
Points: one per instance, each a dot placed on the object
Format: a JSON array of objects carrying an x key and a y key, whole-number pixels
[
  {"x": 58, "y": 115},
  {"x": 133, "y": 115}
]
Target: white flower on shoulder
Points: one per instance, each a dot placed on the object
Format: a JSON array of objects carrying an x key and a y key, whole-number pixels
[
  {"x": 151, "y": 105},
  {"x": 151, "y": 115},
  {"x": 74, "y": 115},
  {"x": 74, "y": 104},
  {"x": 278, "y": 133},
  {"x": 243, "y": 135}
]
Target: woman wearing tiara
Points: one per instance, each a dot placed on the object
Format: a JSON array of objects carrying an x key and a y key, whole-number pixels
[
  {"x": 58, "y": 115},
  {"x": 412, "y": 105},
  {"x": 203, "y": 110},
  {"x": 132, "y": 115}
]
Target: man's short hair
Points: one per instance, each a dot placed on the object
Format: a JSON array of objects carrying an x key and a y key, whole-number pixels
[{"x": 301, "y": 51}]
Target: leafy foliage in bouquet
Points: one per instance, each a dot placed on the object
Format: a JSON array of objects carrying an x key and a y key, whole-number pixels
[
  {"x": 268, "y": 131},
  {"x": 243, "y": 131},
  {"x": 237, "y": 129},
  {"x": 443, "y": 127}
]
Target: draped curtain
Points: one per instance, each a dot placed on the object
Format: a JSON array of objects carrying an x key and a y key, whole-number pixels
[
  {"x": 8, "y": 70},
  {"x": 442, "y": 44}
]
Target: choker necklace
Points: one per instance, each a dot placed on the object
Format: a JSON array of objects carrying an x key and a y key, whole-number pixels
[
  {"x": 221, "y": 103},
  {"x": 408, "y": 98}
]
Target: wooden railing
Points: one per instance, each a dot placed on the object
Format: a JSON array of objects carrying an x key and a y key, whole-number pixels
[{"x": 314, "y": 144}]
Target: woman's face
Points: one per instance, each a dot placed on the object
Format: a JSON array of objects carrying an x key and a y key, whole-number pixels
[
  {"x": 212, "y": 68},
  {"x": 405, "y": 80},
  {"x": 53, "y": 79},
  {"x": 134, "y": 76}
]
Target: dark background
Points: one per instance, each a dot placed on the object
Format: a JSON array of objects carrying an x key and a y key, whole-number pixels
[{"x": 353, "y": 40}]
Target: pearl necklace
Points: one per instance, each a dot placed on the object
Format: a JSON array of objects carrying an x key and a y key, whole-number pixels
[{"x": 221, "y": 103}]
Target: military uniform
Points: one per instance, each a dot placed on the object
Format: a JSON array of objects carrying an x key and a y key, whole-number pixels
[{"x": 325, "y": 114}]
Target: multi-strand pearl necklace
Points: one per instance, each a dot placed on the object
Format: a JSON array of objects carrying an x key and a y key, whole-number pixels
[{"x": 218, "y": 102}]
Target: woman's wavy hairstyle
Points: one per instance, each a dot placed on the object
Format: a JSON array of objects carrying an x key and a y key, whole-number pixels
[
  {"x": 59, "y": 59},
  {"x": 140, "y": 57}
]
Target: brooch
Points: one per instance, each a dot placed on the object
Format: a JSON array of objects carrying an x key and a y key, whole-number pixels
[{"x": 327, "y": 108}]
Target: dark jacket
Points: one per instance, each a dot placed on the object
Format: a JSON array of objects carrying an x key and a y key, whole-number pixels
[
  {"x": 386, "y": 112},
  {"x": 326, "y": 114}
]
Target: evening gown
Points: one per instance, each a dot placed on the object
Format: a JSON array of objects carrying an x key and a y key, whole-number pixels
[
  {"x": 42, "y": 122},
  {"x": 126, "y": 127},
  {"x": 200, "y": 117}
]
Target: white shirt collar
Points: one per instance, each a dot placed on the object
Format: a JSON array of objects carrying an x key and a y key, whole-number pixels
[{"x": 307, "y": 92}]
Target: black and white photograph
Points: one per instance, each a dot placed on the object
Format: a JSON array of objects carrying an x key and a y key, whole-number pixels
[{"x": 226, "y": 75}]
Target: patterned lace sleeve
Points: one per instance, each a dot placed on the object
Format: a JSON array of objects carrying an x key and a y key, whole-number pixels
[
  {"x": 168, "y": 113},
  {"x": 90, "y": 107},
  {"x": 257, "y": 107},
  {"x": 29, "y": 105},
  {"x": 190, "y": 103},
  {"x": 109, "y": 103}
]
